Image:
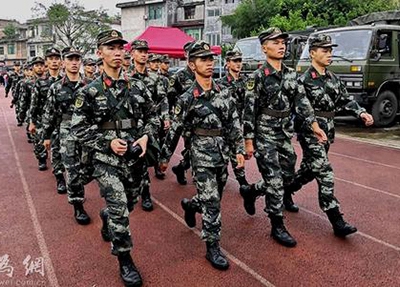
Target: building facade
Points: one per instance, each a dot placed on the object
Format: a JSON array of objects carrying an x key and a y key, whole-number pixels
[{"x": 12, "y": 46}]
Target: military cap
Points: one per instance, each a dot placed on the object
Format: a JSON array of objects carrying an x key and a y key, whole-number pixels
[
  {"x": 200, "y": 49},
  {"x": 320, "y": 40},
  {"x": 154, "y": 57},
  {"x": 127, "y": 55},
  {"x": 164, "y": 59},
  {"x": 110, "y": 36},
  {"x": 271, "y": 34},
  {"x": 52, "y": 52},
  {"x": 99, "y": 62},
  {"x": 70, "y": 51},
  {"x": 187, "y": 46},
  {"x": 139, "y": 44},
  {"x": 89, "y": 61},
  {"x": 233, "y": 55},
  {"x": 37, "y": 60},
  {"x": 17, "y": 63}
]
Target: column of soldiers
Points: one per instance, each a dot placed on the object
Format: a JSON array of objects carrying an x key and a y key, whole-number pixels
[{"x": 113, "y": 124}]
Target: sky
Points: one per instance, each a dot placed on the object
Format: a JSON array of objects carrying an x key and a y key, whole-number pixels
[{"x": 21, "y": 9}]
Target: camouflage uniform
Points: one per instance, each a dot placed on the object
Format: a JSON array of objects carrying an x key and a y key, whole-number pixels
[
  {"x": 13, "y": 79},
  {"x": 15, "y": 100},
  {"x": 57, "y": 117},
  {"x": 24, "y": 95},
  {"x": 238, "y": 88},
  {"x": 215, "y": 132},
  {"x": 93, "y": 125}
]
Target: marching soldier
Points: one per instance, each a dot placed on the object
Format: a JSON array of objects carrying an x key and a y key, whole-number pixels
[
  {"x": 327, "y": 95},
  {"x": 13, "y": 78},
  {"x": 126, "y": 62},
  {"x": 57, "y": 116},
  {"x": 100, "y": 67},
  {"x": 27, "y": 73},
  {"x": 114, "y": 117},
  {"x": 209, "y": 114},
  {"x": 89, "y": 68},
  {"x": 154, "y": 62},
  {"x": 237, "y": 83},
  {"x": 155, "y": 84},
  {"x": 164, "y": 67}
]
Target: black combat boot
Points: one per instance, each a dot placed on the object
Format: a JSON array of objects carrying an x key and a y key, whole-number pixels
[
  {"x": 158, "y": 173},
  {"x": 42, "y": 164},
  {"x": 19, "y": 124},
  {"x": 249, "y": 194},
  {"x": 80, "y": 214},
  {"x": 279, "y": 232},
  {"x": 105, "y": 233},
  {"x": 147, "y": 204},
  {"x": 29, "y": 138},
  {"x": 179, "y": 171},
  {"x": 61, "y": 187},
  {"x": 128, "y": 271},
  {"x": 288, "y": 202},
  {"x": 340, "y": 227},
  {"x": 215, "y": 256},
  {"x": 242, "y": 181},
  {"x": 190, "y": 212}
]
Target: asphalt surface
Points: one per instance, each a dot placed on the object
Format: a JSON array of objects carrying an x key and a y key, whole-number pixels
[{"x": 37, "y": 224}]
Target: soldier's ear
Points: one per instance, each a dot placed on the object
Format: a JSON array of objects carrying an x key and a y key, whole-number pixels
[
  {"x": 192, "y": 65},
  {"x": 99, "y": 52}
]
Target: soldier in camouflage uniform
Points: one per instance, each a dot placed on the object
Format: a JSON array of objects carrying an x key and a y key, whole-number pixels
[
  {"x": 271, "y": 96},
  {"x": 155, "y": 84},
  {"x": 154, "y": 62},
  {"x": 237, "y": 83},
  {"x": 13, "y": 78},
  {"x": 100, "y": 66},
  {"x": 179, "y": 83},
  {"x": 89, "y": 67},
  {"x": 327, "y": 95},
  {"x": 164, "y": 67},
  {"x": 126, "y": 62},
  {"x": 27, "y": 73},
  {"x": 114, "y": 116},
  {"x": 57, "y": 115},
  {"x": 210, "y": 115}
]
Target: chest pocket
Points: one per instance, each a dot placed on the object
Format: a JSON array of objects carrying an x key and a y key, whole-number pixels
[
  {"x": 137, "y": 104},
  {"x": 65, "y": 100}
]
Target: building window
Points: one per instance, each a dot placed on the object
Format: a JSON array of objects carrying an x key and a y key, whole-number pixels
[
  {"x": 229, "y": 1},
  {"x": 11, "y": 49},
  {"x": 213, "y": 12},
  {"x": 214, "y": 39},
  {"x": 190, "y": 12},
  {"x": 32, "y": 51},
  {"x": 47, "y": 31},
  {"x": 195, "y": 33},
  {"x": 155, "y": 12},
  {"x": 1, "y": 50}
]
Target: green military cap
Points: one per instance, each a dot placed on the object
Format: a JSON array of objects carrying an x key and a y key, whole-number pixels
[
  {"x": 52, "y": 52},
  {"x": 233, "y": 55},
  {"x": 110, "y": 36},
  {"x": 321, "y": 41},
  {"x": 70, "y": 51},
  {"x": 200, "y": 49},
  {"x": 164, "y": 59},
  {"x": 271, "y": 34},
  {"x": 89, "y": 61},
  {"x": 187, "y": 46},
  {"x": 154, "y": 58},
  {"x": 99, "y": 62},
  {"x": 139, "y": 45},
  {"x": 17, "y": 63},
  {"x": 127, "y": 55},
  {"x": 37, "y": 60}
]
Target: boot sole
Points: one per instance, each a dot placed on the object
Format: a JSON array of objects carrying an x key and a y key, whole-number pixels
[
  {"x": 343, "y": 235},
  {"x": 283, "y": 243},
  {"x": 137, "y": 284},
  {"x": 83, "y": 222},
  {"x": 186, "y": 221},
  {"x": 216, "y": 266}
]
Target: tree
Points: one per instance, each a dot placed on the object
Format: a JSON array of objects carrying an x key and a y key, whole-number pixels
[
  {"x": 10, "y": 31},
  {"x": 72, "y": 25}
]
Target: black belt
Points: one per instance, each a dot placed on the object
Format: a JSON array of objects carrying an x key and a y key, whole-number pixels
[
  {"x": 208, "y": 132},
  {"x": 66, "y": 117},
  {"x": 125, "y": 124},
  {"x": 275, "y": 113},
  {"x": 325, "y": 114}
]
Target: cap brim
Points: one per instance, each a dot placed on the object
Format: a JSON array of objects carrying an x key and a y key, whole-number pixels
[
  {"x": 72, "y": 54},
  {"x": 53, "y": 54},
  {"x": 236, "y": 58},
  {"x": 277, "y": 36},
  {"x": 114, "y": 40},
  {"x": 203, "y": 54},
  {"x": 36, "y": 62},
  {"x": 326, "y": 46}
]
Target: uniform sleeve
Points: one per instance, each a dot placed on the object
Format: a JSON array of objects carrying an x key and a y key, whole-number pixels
[
  {"x": 151, "y": 118},
  {"x": 163, "y": 100},
  {"x": 303, "y": 107},
  {"x": 24, "y": 101},
  {"x": 235, "y": 129},
  {"x": 9, "y": 84},
  {"x": 250, "y": 107},
  {"x": 345, "y": 103},
  {"x": 49, "y": 114},
  {"x": 34, "y": 103}
]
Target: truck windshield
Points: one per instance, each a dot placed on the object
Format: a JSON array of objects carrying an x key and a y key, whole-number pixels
[
  {"x": 352, "y": 44},
  {"x": 250, "y": 48}
]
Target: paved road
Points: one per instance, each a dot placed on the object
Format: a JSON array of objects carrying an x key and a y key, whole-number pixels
[{"x": 37, "y": 222}]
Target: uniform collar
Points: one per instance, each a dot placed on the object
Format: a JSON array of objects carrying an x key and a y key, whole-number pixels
[
  {"x": 268, "y": 70},
  {"x": 109, "y": 82},
  {"x": 199, "y": 92},
  {"x": 316, "y": 75}
]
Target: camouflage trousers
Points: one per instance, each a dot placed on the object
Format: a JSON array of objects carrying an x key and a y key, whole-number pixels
[
  {"x": 56, "y": 160},
  {"x": 120, "y": 187},
  {"x": 210, "y": 183},
  {"x": 39, "y": 149},
  {"x": 276, "y": 161},
  {"x": 315, "y": 165}
]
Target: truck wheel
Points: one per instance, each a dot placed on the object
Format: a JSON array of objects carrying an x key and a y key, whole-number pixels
[{"x": 384, "y": 110}]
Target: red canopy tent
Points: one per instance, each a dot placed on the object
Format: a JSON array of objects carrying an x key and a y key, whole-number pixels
[{"x": 168, "y": 40}]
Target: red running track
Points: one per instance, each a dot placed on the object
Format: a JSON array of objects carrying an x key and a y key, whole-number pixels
[{"x": 38, "y": 222}]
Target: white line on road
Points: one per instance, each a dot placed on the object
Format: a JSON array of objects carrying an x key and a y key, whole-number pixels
[
  {"x": 235, "y": 260},
  {"x": 31, "y": 206}
]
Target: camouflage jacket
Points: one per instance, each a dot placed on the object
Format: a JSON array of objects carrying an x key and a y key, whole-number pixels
[
  {"x": 25, "y": 94},
  {"x": 17, "y": 90},
  {"x": 94, "y": 106},
  {"x": 39, "y": 96},
  {"x": 13, "y": 79},
  {"x": 208, "y": 111},
  {"x": 179, "y": 83},
  {"x": 155, "y": 84},
  {"x": 60, "y": 102},
  {"x": 327, "y": 93},
  {"x": 268, "y": 89},
  {"x": 238, "y": 90}
]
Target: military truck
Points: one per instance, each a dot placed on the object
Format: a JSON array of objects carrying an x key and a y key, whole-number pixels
[{"x": 367, "y": 60}]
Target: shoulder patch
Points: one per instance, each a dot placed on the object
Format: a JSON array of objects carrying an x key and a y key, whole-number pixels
[
  {"x": 92, "y": 91},
  {"x": 250, "y": 84},
  {"x": 171, "y": 82},
  {"x": 79, "y": 101},
  {"x": 178, "y": 109}
]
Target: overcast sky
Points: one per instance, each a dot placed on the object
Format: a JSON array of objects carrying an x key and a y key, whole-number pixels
[{"x": 21, "y": 9}]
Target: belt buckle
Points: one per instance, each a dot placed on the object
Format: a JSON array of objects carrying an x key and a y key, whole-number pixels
[{"x": 125, "y": 124}]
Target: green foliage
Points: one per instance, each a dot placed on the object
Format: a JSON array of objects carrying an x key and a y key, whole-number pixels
[
  {"x": 253, "y": 16},
  {"x": 10, "y": 31}
]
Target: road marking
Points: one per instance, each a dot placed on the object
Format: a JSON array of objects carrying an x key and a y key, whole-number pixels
[
  {"x": 367, "y": 187},
  {"x": 31, "y": 206},
  {"x": 364, "y": 160},
  {"x": 231, "y": 257}
]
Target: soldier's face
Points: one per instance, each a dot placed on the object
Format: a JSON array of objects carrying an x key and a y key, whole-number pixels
[
  {"x": 140, "y": 56},
  {"x": 72, "y": 64},
  {"x": 53, "y": 62},
  {"x": 38, "y": 69},
  {"x": 274, "y": 49},
  {"x": 234, "y": 65},
  {"x": 126, "y": 62},
  {"x": 17, "y": 69},
  {"x": 164, "y": 66},
  {"x": 321, "y": 56},
  {"x": 154, "y": 65},
  {"x": 89, "y": 69},
  {"x": 112, "y": 54},
  {"x": 203, "y": 67}
]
